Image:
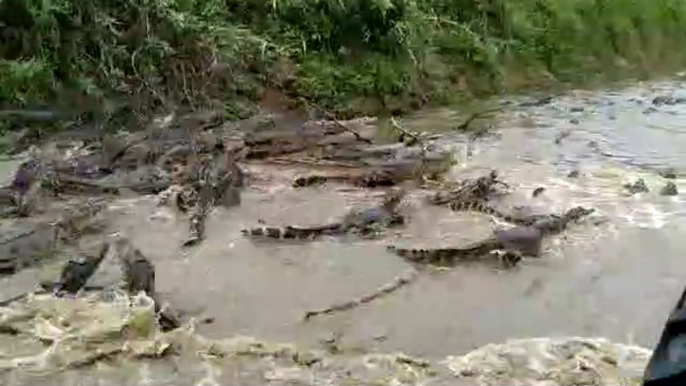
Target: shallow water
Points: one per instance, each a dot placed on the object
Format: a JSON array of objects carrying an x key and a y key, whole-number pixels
[{"x": 618, "y": 279}]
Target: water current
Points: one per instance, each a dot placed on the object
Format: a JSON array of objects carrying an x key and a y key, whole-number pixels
[{"x": 617, "y": 279}]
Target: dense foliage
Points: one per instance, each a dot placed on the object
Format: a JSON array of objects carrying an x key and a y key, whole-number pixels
[{"x": 113, "y": 56}]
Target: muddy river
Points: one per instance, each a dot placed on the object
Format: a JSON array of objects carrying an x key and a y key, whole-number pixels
[{"x": 617, "y": 279}]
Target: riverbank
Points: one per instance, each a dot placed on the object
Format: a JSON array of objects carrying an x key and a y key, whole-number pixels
[{"x": 119, "y": 63}]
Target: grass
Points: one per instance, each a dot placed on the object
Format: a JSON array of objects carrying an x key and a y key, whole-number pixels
[{"x": 119, "y": 61}]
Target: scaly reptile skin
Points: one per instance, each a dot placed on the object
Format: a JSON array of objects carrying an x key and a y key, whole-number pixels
[
  {"x": 363, "y": 222},
  {"x": 138, "y": 271},
  {"x": 372, "y": 179},
  {"x": 450, "y": 256},
  {"x": 548, "y": 221},
  {"x": 522, "y": 240},
  {"x": 216, "y": 181},
  {"x": 483, "y": 207},
  {"x": 478, "y": 189}
]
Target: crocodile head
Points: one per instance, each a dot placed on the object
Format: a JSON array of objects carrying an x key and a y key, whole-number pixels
[
  {"x": 138, "y": 270},
  {"x": 486, "y": 183},
  {"x": 556, "y": 223}
]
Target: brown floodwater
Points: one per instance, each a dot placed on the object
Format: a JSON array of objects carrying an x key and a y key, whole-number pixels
[{"x": 617, "y": 279}]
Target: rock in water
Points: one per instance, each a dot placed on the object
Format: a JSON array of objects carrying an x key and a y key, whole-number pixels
[{"x": 26, "y": 245}]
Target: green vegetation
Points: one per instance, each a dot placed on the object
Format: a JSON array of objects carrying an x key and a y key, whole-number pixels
[{"x": 115, "y": 57}]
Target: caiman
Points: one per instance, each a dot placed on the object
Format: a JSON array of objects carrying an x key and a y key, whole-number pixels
[
  {"x": 147, "y": 179},
  {"x": 365, "y": 222},
  {"x": 390, "y": 174},
  {"x": 373, "y": 179},
  {"x": 517, "y": 242},
  {"x": 138, "y": 272},
  {"x": 40, "y": 239},
  {"x": 139, "y": 276},
  {"x": 481, "y": 206},
  {"x": 76, "y": 272},
  {"x": 215, "y": 181},
  {"x": 42, "y": 173},
  {"x": 523, "y": 218}
]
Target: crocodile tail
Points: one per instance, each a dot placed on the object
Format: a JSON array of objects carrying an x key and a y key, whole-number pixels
[
  {"x": 287, "y": 232},
  {"x": 472, "y": 206},
  {"x": 431, "y": 256},
  {"x": 306, "y": 181}
]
